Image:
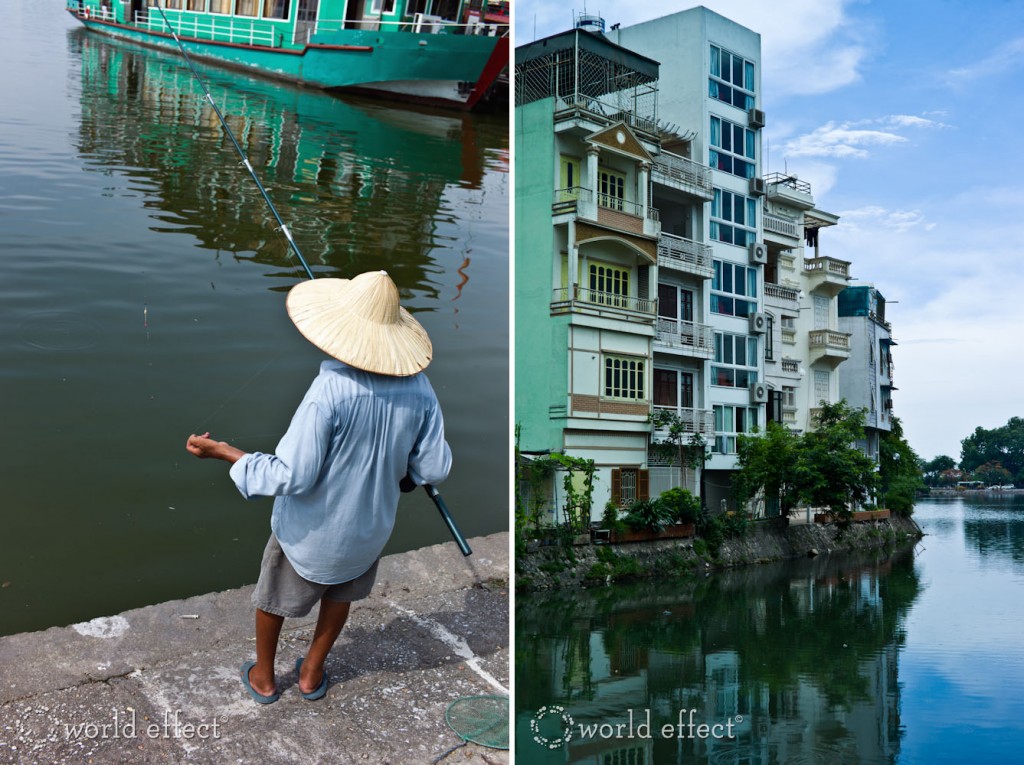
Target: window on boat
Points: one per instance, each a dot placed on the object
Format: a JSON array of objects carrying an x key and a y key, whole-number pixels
[
  {"x": 275, "y": 9},
  {"x": 246, "y": 8}
]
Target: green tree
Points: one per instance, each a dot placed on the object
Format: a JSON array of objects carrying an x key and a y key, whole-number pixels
[
  {"x": 993, "y": 474},
  {"x": 899, "y": 471},
  {"x": 767, "y": 463},
  {"x": 1004, "y": 445},
  {"x": 830, "y": 470},
  {"x": 932, "y": 469},
  {"x": 680, "y": 444}
]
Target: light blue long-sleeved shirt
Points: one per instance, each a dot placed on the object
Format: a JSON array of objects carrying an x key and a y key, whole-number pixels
[{"x": 335, "y": 472}]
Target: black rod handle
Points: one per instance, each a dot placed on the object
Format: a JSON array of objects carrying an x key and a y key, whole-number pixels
[{"x": 449, "y": 522}]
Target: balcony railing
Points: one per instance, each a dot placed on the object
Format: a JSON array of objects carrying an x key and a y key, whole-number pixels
[
  {"x": 684, "y": 255},
  {"x": 609, "y": 202},
  {"x": 781, "y": 292},
  {"x": 791, "y": 366},
  {"x": 827, "y": 266},
  {"x": 698, "y": 339},
  {"x": 680, "y": 172},
  {"x": 790, "y": 181},
  {"x": 697, "y": 421},
  {"x": 582, "y": 295},
  {"x": 565, "y": 200},
  {"x": 776, "y": 224},
  {"x": 829, "y": 340}
]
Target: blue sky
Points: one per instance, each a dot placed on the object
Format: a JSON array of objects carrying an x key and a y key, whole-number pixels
[{"x": 906, "y": 118}]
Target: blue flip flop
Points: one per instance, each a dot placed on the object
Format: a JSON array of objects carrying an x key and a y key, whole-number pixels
[
  {"x": 317, "y": 693},
  {"x": 259, "y": 697}
]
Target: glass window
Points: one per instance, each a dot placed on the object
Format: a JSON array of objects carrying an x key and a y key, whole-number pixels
[
  {"x": 609, "y": 285},
  {"x": 611, "y": 189},
  {"x": 246, "y": 8},
  {"x": 733, "y": 218},
  {"x": 275, "y": 9},
  {"x": 729, "y": 422},
  {"x": 731, "y": 279},
  {"x": 624, "y": 378},
  {"x": 732, "y": 79},
  {"x": 735, "y": 360}
]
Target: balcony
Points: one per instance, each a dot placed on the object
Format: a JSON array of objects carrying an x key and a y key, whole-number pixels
[
  {"x": 694, "y": 421},
  {"x": 790, "y": 368},
  {"x": 829, "y": 346},
  {"x": 781, "y": 296},
  {"x": 683, "y": 174},
  {"x": 572, "y": 299},
  {"x": 610, "y": 211},
  {"x": 785, "y": 230},
  {"x": 789, "y": 190},
  {"x": 686, "y": 337},
  {"x": 827, "y": 275},
  {"x": 568, "y": 199},
  {"x": 685, "y": 255}
]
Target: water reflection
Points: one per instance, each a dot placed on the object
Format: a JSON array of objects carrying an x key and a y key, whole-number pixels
[
  {"x": 360, "y": 185},
  {"x": 802, "y": 657}
]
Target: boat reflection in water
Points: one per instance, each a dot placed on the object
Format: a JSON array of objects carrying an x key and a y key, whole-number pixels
[
  {"x": 357, "y": 183},
  {"x": 798, "y": 661}
]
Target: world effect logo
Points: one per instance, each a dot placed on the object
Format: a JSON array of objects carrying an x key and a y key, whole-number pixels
[{"x": 685, "y": 727}]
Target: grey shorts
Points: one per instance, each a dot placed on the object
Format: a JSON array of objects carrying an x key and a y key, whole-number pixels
[{"x": 281, "y": 591}]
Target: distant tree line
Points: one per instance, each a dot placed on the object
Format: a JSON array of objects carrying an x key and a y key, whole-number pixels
[{"x": 994, "y": 457}]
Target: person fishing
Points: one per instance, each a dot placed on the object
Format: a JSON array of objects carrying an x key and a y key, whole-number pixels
[{"x": 369, "y": 427}]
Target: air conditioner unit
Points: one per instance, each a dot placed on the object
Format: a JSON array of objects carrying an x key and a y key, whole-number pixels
[
  {"x": 755, "y": 118},
  {"x": 758, "y": 253},
  {"x": 757, "y": 187},
  {"x": 759, "y": 393},
  {"x": 758, "y": 323}
]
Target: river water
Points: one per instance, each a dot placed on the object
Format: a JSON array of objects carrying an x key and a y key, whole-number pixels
[
  {"x": 914, "y": 658},
  {"x": 142, "y": 291}
]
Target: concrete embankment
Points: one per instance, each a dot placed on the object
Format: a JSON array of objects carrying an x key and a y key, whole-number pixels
[
  {"x": 556, "y": 566},
  {"x": 161, "y": 684}
]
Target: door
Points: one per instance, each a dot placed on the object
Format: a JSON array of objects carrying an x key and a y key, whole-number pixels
[{"x": 305, "y": 20}]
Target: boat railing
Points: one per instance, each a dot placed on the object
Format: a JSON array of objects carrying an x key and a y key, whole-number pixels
[
  {"x": 231, "y": 29},
  {"x": 421, "y": 23}
]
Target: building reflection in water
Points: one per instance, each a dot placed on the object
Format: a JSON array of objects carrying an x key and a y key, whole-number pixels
[{"x": 802, "y": 657}]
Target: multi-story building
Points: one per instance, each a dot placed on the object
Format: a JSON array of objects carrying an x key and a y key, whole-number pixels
[
  {"x": 657, "y": 266},
  {"x": 867, "y": 379}
]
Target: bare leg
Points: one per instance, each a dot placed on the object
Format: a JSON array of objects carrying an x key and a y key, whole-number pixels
[
  {"x": 332, "y": 618},
  {"x": 268, "y": 629}
]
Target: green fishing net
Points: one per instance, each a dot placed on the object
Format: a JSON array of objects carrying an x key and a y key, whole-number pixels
[{"x": 480, "y": 719}]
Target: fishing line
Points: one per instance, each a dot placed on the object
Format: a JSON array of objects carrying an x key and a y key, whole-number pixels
[{"x": 433, "y": 493}]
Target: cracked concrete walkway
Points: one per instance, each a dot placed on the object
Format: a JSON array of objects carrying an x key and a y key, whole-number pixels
[{"x": 161, "y": 684}]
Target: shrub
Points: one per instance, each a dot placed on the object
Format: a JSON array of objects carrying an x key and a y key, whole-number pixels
[
  {"x": 683, "y": 505},
  {"x": 647, "y": 514}
]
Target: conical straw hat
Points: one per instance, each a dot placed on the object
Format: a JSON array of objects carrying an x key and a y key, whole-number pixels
[{"x": 359, "y": 321}]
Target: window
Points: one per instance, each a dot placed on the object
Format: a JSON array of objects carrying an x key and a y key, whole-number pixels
[
  {"x": 789, "y": 397},
  {"x": 611, "y": 189},
  {"x": 609, "y": 285},
  {"x": 675, "y": 302},
  {"x": 629, "y": 485},
  {"x": 220, "y": 6},
  {"x": 820, "y": 312},
  {"x": 733, "y": 218},
  {"x": 769, "y": 338},
  {"x": 246, "y": 8},
  {"x": 673, "y": 388},
  {"x": 570, "y": 178},
  {"x": 732, "y": 79},
  {"x": 383, "y": 6},
  {"x": 624, "y": 378},
  {"x": 821, "y": 387},
  {"x": 733, "y": 289},
  {"x": 733, "y": 148},
  {"x": 735, "y": 360},
  {"x": 730, "y": 421},
  {"x": 275, "y": 9},
  {"x": 197, "y": 5}
]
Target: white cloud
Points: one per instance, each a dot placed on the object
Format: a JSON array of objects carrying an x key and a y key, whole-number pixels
[
  {"x": 1006, "y": 57},
  {"x": 853, "y": 139},
  {"x": 875, "y": 217}
]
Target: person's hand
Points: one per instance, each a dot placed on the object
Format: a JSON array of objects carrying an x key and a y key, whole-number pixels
[
  {"x": 406, "y": 484},
  {"x": 205, "y": 447}
]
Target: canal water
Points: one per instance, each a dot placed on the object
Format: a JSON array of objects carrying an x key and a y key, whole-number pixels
[
  {"x": 914, "y": 658},
  {"x": 142, "y": 290}
]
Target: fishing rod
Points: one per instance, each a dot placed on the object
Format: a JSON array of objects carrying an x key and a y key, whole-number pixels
[{"x": 432, "y": 492}]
